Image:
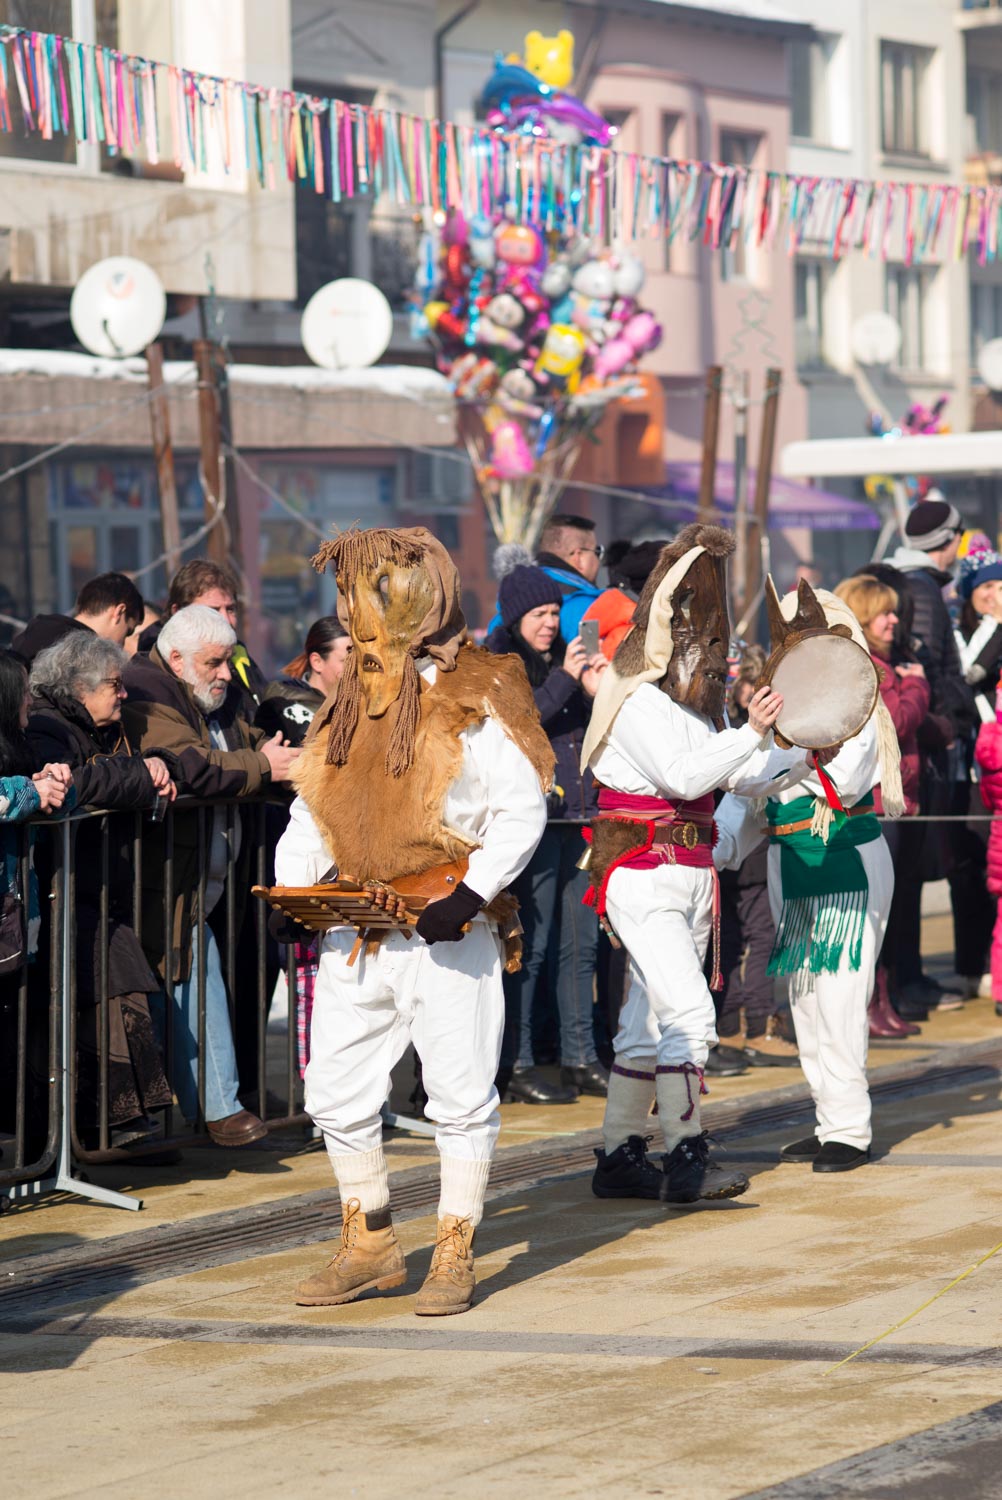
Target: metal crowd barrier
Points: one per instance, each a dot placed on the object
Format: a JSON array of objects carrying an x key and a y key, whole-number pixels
[
  {"x": 25, "y": 1174},
  {"x": 42, "y": 1011}
]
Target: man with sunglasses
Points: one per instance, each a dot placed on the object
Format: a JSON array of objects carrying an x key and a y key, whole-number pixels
[{"x": 569, "y": 553}]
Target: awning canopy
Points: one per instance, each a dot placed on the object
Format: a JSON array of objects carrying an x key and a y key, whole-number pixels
[
  {"x": 790, "y": 503},
  {"x": 938, "y": 453}
]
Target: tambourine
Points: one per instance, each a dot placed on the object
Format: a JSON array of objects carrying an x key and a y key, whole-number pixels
[{"x": 828, "y": 684}]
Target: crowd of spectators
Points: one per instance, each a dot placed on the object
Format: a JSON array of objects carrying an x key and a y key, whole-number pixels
[{"x": 123, "y": 709}]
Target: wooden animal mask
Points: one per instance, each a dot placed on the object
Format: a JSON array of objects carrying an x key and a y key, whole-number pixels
[
  {"x": 696, "y": 676},
  {"x": 387, "y": 605}
]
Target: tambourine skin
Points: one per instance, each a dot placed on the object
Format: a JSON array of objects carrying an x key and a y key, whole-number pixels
[{"x": 829, "y": 688}]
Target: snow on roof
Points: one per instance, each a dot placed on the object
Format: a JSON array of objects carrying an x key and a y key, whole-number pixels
[
  {"x": 741, "y": 10},
  {"x": 403, "y": 382}
]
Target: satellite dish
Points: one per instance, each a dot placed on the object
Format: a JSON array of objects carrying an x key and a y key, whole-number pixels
[
  {"x": 346, "y": 325},
  {"x": 875, "y": 339},
  {"x": 118, "y": 307},
  {"x": 990, "y": 364}
]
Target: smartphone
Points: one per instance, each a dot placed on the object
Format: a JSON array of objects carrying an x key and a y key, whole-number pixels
[{"x": 589, "y": 636}]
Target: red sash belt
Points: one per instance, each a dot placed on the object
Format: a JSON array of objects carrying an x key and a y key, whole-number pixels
[{"x": 690, "y": 847}]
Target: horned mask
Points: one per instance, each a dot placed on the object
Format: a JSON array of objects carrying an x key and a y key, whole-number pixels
[
  {"x": 680, "y": 633},
  {"x": 398, "y": 598}
]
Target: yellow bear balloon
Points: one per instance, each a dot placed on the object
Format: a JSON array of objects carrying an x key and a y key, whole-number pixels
[{"x": 551, "y": 58}]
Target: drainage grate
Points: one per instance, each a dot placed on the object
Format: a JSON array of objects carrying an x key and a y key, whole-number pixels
[{"x": 104, "y": 1268}]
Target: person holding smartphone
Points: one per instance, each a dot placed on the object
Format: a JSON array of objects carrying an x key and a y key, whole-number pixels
[{"x": 561, "y": 935}]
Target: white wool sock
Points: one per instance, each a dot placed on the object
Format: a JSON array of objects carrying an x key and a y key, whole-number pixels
[
  {"x": 362, "y": 1175},
  {"x": 464, "y": 1186},
  {"x": 678, "y": 1096},
  {"x": 629, "y": 1101}
]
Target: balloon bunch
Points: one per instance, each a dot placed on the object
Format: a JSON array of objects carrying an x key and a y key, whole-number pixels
[
  {"x": 529, "y": 95},
  {"x": 919, "y": 421},
  {"x": 538, "y": 337}
]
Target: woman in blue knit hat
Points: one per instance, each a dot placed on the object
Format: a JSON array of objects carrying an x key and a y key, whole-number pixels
[
  {"x": 979, "y": 639},
  {"x": 563, "y": 681}
]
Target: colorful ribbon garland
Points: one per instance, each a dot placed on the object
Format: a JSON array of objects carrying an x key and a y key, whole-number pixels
[{"x": 96, "y": 94}]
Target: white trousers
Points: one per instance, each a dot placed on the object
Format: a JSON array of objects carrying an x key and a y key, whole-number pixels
[
  {"x": 664, "y": 918},
  {"x": 447, "y": 999},
  {"x": 829, "y": 1010}
]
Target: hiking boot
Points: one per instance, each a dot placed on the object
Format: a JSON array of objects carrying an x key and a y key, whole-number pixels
[
  {"x": 628, "y": 1172},
  {"x": 691, "y": 1174},
  {"x": 771, "y": 1049},
  {"x": 725, "y": 1062},
  {"x": 450, "y": 1282},
  {"x": 369, "y": 1258}
]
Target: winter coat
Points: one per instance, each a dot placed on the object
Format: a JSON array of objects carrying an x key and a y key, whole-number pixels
[
  {"x": 950, "y": 695},
  {"x": 249, "y": 682},
  {"x": 577, "y": 592},
  {"x": 44, "y": 631},
  {"x": 288, "y": 706},
  {"x": 988, "y": 754},
  {"x": 564, "y": 711},
  {"x": 907, "y": 701},
  {"x": 106, "y": 774},
  {"x": 161, "y": 713},
  {"x": 614, "y": 610},
  {"x": 981, "y": 658},
  {"x": 18, "y": 801}
]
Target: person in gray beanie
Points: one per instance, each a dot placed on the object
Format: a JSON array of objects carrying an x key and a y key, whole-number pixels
[{"x": 926, "y": 560}]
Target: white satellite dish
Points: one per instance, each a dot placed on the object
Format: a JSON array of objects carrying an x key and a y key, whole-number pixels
[
  {"x": 118, "y": 307},
  {"x": 990, "y": 364},
  {"x": 875, "y": 339},
  {"x": 346, "y": 324}
]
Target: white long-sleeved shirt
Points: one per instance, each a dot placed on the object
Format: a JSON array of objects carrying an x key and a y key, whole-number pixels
[
  {"x": 496, "y": 802},
  {"x": 657, "y": 748},
  {"x": 854, "y": 772}
]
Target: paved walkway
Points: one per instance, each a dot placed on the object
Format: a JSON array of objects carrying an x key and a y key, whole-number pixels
[{"x": 614, "y": 1348}]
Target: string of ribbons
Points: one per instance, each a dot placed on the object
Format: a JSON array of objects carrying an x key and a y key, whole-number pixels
[{"x": 54, "y": 86}]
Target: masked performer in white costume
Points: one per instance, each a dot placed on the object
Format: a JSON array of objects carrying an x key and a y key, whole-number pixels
[
  {"x": 658, "y": 749},
  {"x": 831, "y": 880},
  {"x": 429, "y": 751}
]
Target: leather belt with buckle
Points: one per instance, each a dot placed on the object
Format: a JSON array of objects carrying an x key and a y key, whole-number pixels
[{"x": 683, "y": 835}]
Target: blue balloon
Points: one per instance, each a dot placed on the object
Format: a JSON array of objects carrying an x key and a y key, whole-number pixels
[
  {"x": 547, "y": 425},
  {"x": 511, "y": 81}
]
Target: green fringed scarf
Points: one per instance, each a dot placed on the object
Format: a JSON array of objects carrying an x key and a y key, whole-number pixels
[{"x": 810, "y": 937}]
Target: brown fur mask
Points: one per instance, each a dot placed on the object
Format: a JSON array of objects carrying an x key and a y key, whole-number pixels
[{"x": 696, "y": 676}]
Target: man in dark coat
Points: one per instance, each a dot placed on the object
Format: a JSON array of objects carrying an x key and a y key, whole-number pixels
[
  {"x": 180, "y": 700},
  {"x": 109, "y": 606}
]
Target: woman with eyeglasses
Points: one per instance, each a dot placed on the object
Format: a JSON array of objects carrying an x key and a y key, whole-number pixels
[{"x": 76, "y": 717}]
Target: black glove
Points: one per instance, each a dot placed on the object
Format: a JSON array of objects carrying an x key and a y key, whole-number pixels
[
  {"x": 284, "y": 930},
  {"x": 443, "y": 921}
]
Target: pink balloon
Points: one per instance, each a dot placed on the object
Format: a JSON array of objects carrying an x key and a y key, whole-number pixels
[
  {"x": 613, "y": 357},
  {"x": 511, "y": 456}
]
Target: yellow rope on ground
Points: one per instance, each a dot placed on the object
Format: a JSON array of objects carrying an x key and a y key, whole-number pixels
[{"x": 955, "y": 1282}]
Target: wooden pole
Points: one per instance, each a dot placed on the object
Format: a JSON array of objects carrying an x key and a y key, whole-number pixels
[
  {"x": 217, "y": 541},
  {"x": 711, "y": 432},
  {"x": 163, "y": 454},
  {"x": 763, "y": 479}
]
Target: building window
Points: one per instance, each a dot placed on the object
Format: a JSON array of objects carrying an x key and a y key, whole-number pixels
[
  {"x": 905, "y": 300},
  {"x": 903, "y": 74},
  {"x": 984, "y": 111},
  {"x": 36, "y": 15},
  {"x": 810, "y": 97},
  {"x": 736, "y": 150},
  {"x": 986, "y": 316},
  {"x": 810, "y": 281}
]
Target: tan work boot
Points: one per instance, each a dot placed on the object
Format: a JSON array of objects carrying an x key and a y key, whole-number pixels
[
  {"x": 369, "y": 1258},
  {"x": 771, "y": 1049},
  {"x": 450, "y": 1283}
]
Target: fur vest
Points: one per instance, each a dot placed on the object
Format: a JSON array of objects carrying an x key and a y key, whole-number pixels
[{"x": 377, "y": 826}]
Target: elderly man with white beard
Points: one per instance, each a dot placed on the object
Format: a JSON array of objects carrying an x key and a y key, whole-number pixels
[{"x": 180, "y": 705}]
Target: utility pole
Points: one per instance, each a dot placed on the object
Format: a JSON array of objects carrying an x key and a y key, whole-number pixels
[
  {"x": 711, "y": 433},
  {"x": 163, "y": 454},
  {"x": 763, "y": 479},
  {"x": 213, "y": 478},
  {"x": 741, "y": 495}
]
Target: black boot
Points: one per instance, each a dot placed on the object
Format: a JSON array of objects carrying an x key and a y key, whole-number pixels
[
  {"x": 528, "y": 1086},
  {"x": 839, "y": 1156},
  {"x": 627, "y": 1172},
  {"x": 589, "y": 1078},
  {"x": 725, "y": 1062},
  {"x": 691, "y": 1174}
]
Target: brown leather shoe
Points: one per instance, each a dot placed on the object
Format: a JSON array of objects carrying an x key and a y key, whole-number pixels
[
  {"x": 450, "y": 1283},
  {"x": 369, "y": 1258},
  {"x": 241, "y": 1129}
]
